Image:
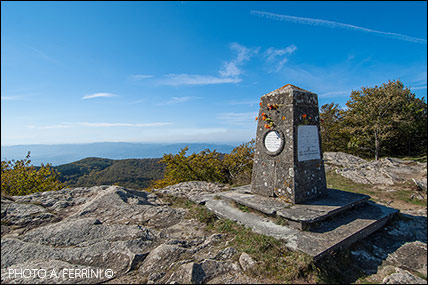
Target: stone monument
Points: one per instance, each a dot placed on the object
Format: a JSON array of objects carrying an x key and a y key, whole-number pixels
[
  {"x": 288, "y": 160},
  {"x": 288, "y": 195}
]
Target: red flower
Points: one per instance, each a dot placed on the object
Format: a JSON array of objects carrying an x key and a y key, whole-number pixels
[{"x": 304, "y": 116}]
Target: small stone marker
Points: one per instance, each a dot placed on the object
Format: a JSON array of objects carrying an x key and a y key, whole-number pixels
[{"x": 288, "y": 159}]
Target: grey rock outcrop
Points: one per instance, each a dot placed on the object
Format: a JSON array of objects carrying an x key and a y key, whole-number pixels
[
  {"x": 385, "y": 171},
  {"x": 196, "y": 191},
  {"x": 131, "y": 233},
  {"x": 141, "y": 239},
  {"x": 403, "y": 277}
]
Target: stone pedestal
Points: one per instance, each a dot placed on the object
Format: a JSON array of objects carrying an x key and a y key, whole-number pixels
[{"x": 288, "y": 159}]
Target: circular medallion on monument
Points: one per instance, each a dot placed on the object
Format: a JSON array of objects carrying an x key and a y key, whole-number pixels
[{"x": 273, "y": 142}]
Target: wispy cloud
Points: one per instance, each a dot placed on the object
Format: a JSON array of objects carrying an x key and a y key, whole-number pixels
[
  {"x": 141, "y": 76},
  {"x": 418, "y": 87},
  {"x": 232, "y": 68},
  {"x": 55, "y": 126},
  {"x": 333, "y": 94},
  {"x": 195, "y": 79},
  {"x": 139, "y": 101},
  {"x": 98, "y": 95},
  {"x": 176, "y": 100},
  {"x": 11, "y": 98},
  {"x": 197, "y": 131},
  {"x": 229, "y": 73},
  {"x": 99, "y": 125},
  {"x": 420, "y": 78},
  {"x": 45, "y": 56},
  {"x": 331, "y": 24},
  {"x": 278, "y": 55},
  {"x": 138, "y": 125}
]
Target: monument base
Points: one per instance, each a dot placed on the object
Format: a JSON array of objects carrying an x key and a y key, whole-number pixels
[
  {"x": 301, "y": 216},
  {"x": 316, "y": 227}
]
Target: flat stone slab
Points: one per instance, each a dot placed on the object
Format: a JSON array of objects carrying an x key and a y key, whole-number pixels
[
  {"x": 300, "y": 215},
  {"x": 340, "y": 231},
  {"x": 264, "y": 204}
]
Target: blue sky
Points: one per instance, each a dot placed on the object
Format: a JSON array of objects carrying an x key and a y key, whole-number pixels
[{"x": 79, "y": 72}]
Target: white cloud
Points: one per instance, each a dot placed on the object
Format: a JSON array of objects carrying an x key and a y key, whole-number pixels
[
  {"x": 98, "y": 125},
  {"x": 141, "y": 76},
  {"x": 333, "y": 94},
  {"x": 198, "y": 131},
  {"x": 331, "y": 24},
  {"x": 97, "y": 95},
  {"x": 139, "y": 125},
  {"x": 176, "y": 100},
  {"x": 229, "y": 73},
  {"x": 56, "y": 126},
  {"x": 418, "y": 87},
  {"x": 195, "y": 79},
  {"x": 243, "y": 54},
  {"x": 139, "y": 101},
  {"x": 278, "y": 55},
  {"x": 11, "y": 98}
]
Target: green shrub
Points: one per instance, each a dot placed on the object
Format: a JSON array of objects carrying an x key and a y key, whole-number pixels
[
  {"x": 21, "y": 178},
  {"x": 211, "y": 166}
]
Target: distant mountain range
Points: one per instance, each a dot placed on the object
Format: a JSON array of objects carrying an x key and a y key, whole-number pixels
[{"x": 65, "y": 153}]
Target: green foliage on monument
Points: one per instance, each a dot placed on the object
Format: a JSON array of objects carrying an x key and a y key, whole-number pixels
[
  {"x": 21, "y": 178},
  {"x": 212, "y": 166},
  {"x": 381, "y": 120}
]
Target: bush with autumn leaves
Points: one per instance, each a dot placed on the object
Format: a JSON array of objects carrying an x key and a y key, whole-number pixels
[{"x": 234, "y": 168}]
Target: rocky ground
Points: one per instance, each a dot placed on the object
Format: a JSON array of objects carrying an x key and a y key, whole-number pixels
[
  {"x": 383, "y": 172},
  {"x": 69, "y": 235},
  {"x": 133, "y": 233}
]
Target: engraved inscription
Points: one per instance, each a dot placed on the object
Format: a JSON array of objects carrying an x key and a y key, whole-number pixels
[
  {"x": 308, "y": 147},
  {"x": 273, "y": 141}
]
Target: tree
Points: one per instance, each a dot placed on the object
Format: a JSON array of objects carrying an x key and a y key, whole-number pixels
[
  {"x": 239, "y": 163},
  {"x": 333, "y": 136},
  {"x": 412, "y": 133},
  {"x": 21, "y": 178},
  {"x": 375, "y": 116}
]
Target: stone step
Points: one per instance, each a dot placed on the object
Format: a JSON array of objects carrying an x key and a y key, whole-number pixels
[
  {"x": 303, "y": 216},
  {"x": 340, "y": 231}
]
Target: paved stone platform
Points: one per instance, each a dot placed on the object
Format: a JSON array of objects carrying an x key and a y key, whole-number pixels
[
  {"x": 338, "y": 231},
  {"x": 303, "y": 216}
]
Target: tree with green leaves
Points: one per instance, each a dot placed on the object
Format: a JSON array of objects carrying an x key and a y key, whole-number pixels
[
  {"x": 239, "y": 163},
  {"x": 333, "y": 136},
  {"x": 412, "y": 133},
  {"x": 21, "y": 178},
  {"x": 376, "y": 116}
]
